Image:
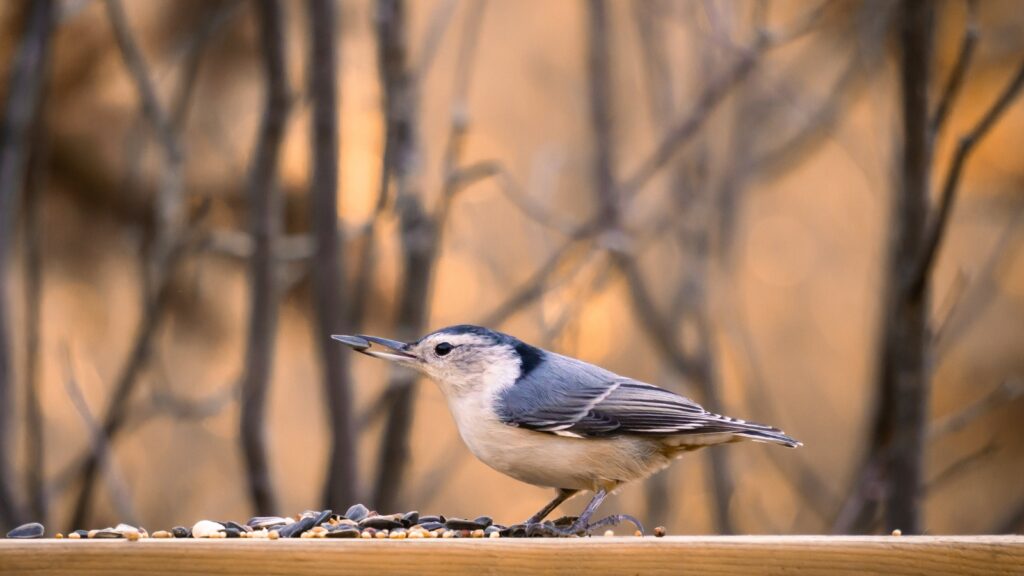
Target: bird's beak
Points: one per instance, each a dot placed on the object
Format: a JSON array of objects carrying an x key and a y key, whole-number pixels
[{"x": 396, "y": 351}]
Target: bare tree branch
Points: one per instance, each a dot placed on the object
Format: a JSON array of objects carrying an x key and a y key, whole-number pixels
[
  {"x": 161, "y": 402},
  {"x": 170, "y": 201},
  {"x": 1012, "y": 523},
  {"x": 956, "y": 76},
  {"x": 420, "y": 231},
  {"x": 1008, "y": 391},
  {"x": 905, "y": 366},
  {"x": 816, "y": 492},
  {"x": 153, "y": 316},
  {"x": 173, "y": 239},
  {"x": 937, "y": 229},
  {"x": 966, "y": 463},
  {"x": 978, "y": 294},
  {"x": 24, "y": 87},
  {"x": 340, "y": 489},
  {"x": 535, "y": 286},
  {"x": 418, "y": 236},
  {"x": 265, "y": 220},
  {"x": 440, "y": 20},
  {"x": 99, "y": 444},
  {"x": 682, "y": 132},
  {"x": 35, "y": 185}
]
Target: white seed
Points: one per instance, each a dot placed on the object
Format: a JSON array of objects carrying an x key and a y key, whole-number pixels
[{"x": 207, "y": 529}]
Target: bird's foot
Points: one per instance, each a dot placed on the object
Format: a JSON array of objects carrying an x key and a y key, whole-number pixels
[
  {"x": 569, "y": 526},
  {"x": 615, "y": 520}
]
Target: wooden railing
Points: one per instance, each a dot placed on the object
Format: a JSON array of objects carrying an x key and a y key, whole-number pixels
[{"x": 648, "y": 556}]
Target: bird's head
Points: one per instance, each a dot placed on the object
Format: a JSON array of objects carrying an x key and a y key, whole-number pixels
[{"x": 462, "y": 359}]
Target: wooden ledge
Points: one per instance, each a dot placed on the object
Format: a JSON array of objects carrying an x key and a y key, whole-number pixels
[{"x": 620, "y": 555}]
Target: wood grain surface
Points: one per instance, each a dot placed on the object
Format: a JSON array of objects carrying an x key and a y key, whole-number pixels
[{"x": 791, "y": 555}]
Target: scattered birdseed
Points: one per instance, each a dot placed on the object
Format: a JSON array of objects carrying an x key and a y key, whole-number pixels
[{"x": 358, "y": 521}]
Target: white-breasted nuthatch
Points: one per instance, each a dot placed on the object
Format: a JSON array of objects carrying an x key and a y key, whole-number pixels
[{"x": 555, "y": 421}]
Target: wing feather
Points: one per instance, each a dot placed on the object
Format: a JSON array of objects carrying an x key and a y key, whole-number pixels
[{"x": 572, "y": 398}]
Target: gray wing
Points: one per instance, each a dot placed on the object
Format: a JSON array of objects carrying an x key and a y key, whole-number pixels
[{"x": 570, "y": 397}]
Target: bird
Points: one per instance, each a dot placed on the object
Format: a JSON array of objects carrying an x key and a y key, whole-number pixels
[{"x": 554, "y": 421}]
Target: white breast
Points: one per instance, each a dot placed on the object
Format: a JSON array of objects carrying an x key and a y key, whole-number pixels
[{"x": 545, "y": 459}]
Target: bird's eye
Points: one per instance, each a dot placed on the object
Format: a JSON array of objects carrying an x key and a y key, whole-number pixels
[{"x": 443, "y": 349}]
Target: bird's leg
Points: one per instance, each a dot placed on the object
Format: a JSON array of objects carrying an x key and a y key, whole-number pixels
[
  {"x": 563, "y": 495},
  {"x": 583, "y": 525},
  {"x": 580, "y": 526}
]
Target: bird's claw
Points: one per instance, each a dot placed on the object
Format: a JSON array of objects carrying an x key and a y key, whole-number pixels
[{"x": 569, "y": 526}]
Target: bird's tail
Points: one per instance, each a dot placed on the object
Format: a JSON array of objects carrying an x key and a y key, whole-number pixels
[
  {"x": 769, "y": 434},
  {"x": 757, "y": 432}
]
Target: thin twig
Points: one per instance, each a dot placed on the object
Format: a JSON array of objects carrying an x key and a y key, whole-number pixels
[
  {"x": 340, "y": 489},
  {"x": 534, "y": 287},
  {"x": 961, "y": 465},
  {"x": 956, "y": 76},
  {"x": 160, "y": 403},
  {"x": 950, "y": 303},
  {"x": 1006, "y": 392},
  {"x": 440, "y": 20},
  {"x": 937, "y": 230},
  {"x": 35, "y": 186},
  {"x": 170, "y": 204},
  {"x": 978, "y": 296},
  {"x": 1012, "y": 523},
  {"x": 683, "y": 131},
  {"x": 136, "y": 65},
  {"x": 807, "y": 484},
  {"x": 29, "y": 67},
  {"x": 818, "y": 122},
  {"x": 153, "y": 316},
  {"x": 265, "y": 220},
  {"x": 99, "y": 443}
]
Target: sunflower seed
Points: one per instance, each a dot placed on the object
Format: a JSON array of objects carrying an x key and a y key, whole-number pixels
[
  {"x": 30, "y": 530},
  {"x": 357, "y": 512}
]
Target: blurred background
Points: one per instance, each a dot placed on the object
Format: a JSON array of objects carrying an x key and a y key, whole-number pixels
[{"x": 800, "y": 213}]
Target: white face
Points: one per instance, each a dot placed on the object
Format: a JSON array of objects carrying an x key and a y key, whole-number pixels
[{"x": 465, "y": 363}]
